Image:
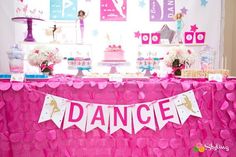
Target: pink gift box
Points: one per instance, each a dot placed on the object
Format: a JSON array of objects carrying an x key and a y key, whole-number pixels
[
  {"x": 156, "y": 37},
  {"x": 200, "y": 37},
  {"x": 188, "y": 37},
  {"x": 145, "y": 38}
]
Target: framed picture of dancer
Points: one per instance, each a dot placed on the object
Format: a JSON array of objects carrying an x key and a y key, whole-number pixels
[
  {"x": 113, "y": 10},
  {"x": 63, "y": 10}
]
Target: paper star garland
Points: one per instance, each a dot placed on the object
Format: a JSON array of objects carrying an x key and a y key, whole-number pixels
[
  {"x": 204, "y": 2},
  {"x": 167, "y": 33},
  {"x": 194, "y": 28},
  {"x": 137, "y": 34},
  {"x": 142, "y": 3},
  {"x": 184, "y": 11}
]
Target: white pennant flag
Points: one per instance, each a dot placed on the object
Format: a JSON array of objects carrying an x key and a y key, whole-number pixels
[
  {"x": 165, "y": 112},
  {"x": 76, "y": 114},
  {"x": 143, "y": 115},
  {"x": 120, "y": 118},
  {"x": 187, "y": 105},
  {"x": 98, "y": 117},
  {"x": 53, "y": 109}
]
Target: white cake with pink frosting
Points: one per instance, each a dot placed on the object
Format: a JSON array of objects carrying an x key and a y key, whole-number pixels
[{"x": 114, "y": 53}]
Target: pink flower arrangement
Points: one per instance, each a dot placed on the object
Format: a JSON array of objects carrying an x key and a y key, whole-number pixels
[
  {"x": 185, "y": 56},
  {"x": 40, "y": 54}
]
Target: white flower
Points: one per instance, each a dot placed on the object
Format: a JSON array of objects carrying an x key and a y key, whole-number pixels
[
  {"x": 42, "y": 53},
  {"x": 184, "y": 54}
]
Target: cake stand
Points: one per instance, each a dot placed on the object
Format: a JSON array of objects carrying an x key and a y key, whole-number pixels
[
  {"x": 113, "y": 65},
  {"x": 81, "y": 69},
  {"x": 147, "y": 69},
  {"x": 29, "y": 22}
]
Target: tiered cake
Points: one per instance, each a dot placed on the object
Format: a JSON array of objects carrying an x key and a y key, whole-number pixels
[{"x": 114, "y": 53}]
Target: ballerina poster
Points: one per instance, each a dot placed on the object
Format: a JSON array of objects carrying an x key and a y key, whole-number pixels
[
  {"x": 63, "y": 9},
  {"x": 162, "y": 10},
  {"x": 113, "y": 10}
]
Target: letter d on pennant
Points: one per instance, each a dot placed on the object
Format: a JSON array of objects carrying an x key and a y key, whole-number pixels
[{"x": 75, "y": 115}]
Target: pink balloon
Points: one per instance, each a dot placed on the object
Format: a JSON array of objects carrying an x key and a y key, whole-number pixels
[
  {"x": 231, "y": 114},
  {"x": 195, "y": 84},
  {"x": 40, "y": 84},
  {"x": 52, "y": 135},
  {"x": 232, "y": 125},
  {"x": 5, "y": 86},
  {"x": 102, "y": 85},
  {"x": 92, "y": 83},
  {"x": 225, "y": 134},
  {"x": 33, "y": 96},
  {"x": 70, "y": 83},
  {"x": 175, "y": 143},
  {"x": 229, "y": 142},
  {"x": 229, "y": 85},
  {"x": 17, "y": 86},
  {"x": 185, "y": 86},
  {"x": 40, "y": 136},
  {"x": 225, "y": 105},
  {"x": 163, "y": 143},
  {"x": 54, "y": 84},
  {"x": 230, "y": 96},
  {"x": 78, "y": 85},
  {"x": 219, "y": 86}
]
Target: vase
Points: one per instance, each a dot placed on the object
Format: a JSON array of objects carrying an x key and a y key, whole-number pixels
[
  {"x": 45, "y": 68},
  {"x": 176, "y": 67}
]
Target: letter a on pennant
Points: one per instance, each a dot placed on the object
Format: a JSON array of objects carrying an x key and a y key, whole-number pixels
[{"x": 98, "y": 117}]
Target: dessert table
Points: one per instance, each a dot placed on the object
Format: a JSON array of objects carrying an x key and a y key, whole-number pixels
[{"x": 22, "y": 136}]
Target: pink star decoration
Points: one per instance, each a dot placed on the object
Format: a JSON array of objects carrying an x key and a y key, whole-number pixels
[
  {"x": 194, "y": 28},
  {"x": 137, "y": 34},
  {"x": 184, "y": 10}
]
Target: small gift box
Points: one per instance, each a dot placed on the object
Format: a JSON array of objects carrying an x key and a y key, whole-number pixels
[
  {"x": 145, "y": 38},
  {"x": 200, "y": 37},
  {"x": 156, "y": 37},
  {"x": 188, "y": 37}
]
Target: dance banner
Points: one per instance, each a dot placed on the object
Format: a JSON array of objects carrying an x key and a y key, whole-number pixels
[{"x": 111, "y": 118}]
